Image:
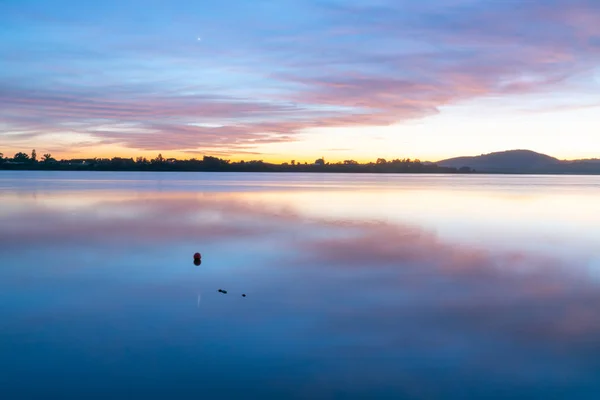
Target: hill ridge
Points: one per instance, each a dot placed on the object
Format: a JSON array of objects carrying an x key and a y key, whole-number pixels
[{"x": 521, "y": 161}]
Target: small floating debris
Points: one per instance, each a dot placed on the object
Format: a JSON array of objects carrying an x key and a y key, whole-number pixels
[
  {"x": 197, "y": 256},
  {"x": 244, "y": 295},
  {"x": 222, "y": 291}
]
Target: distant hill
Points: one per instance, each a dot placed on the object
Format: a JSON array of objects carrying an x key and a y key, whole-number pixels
[{"x": 522, "y": 161}]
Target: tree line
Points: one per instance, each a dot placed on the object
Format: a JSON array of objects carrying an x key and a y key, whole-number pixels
[{"x": 24, "y": 161}]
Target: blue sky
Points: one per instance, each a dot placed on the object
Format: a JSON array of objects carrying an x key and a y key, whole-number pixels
[{"x": 285, "y": 79}]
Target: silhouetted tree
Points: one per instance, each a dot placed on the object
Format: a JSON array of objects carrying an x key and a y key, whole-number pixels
[
  {"x": 208, "y": 163},
  {"x": 47, "y": 158},
  {"x": 214, "y": 163},
  {"x": 33, "y": 156},
  {"x": 21, "y": 157},
  {"x": 122, "y": 163},
  {"x": 159, "y": 159}
]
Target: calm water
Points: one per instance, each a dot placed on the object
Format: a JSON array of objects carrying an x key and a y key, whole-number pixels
[{"x": 358, "y": 286}]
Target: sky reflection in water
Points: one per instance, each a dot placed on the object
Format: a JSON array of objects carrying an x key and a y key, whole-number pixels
[{"x": 416, "y": 287}]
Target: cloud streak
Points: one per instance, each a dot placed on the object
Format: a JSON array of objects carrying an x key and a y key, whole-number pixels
[{"x": 331, "y": 65}]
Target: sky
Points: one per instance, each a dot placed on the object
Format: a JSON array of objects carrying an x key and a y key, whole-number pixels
[{"x": 300, "y": 79}]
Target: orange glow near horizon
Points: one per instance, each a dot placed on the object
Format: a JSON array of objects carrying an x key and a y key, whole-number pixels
[
  {"x": 270, "y": 158},
  {"x": 467, "y": 85},
  {"x": 456, "y": 131},
  {"x": 275, "y": 159}
]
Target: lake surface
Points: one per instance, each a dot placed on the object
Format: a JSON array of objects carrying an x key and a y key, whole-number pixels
[{"x": 358, "y": 286}]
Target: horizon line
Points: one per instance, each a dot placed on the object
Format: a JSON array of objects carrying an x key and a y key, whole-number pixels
[{"x": 280, "y": 160}]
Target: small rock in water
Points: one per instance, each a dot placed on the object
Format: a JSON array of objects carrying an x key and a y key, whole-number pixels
[
  {"x": 222, "y": 291},
  {"x": 244, "y": 295}
]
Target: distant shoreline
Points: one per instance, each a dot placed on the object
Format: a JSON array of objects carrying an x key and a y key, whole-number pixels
[
  {"x": 510, "y": 162},
  {"x": 216, "y": 165},
  {"x": 311, "y": 172},
  {"x": 242, "y": 171}
]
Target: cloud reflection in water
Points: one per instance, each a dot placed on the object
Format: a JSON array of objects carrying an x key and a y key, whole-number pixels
[{"x": 346, "y": 306}]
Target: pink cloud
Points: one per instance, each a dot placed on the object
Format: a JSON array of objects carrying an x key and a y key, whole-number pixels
[{"x": 407, "y": 61}]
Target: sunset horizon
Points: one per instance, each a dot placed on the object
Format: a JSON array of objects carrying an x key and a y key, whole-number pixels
[
  {"x": 300, "y": 199},
  {"x": 261, "y": 157},
  {"x": 282, "y": 80}
]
